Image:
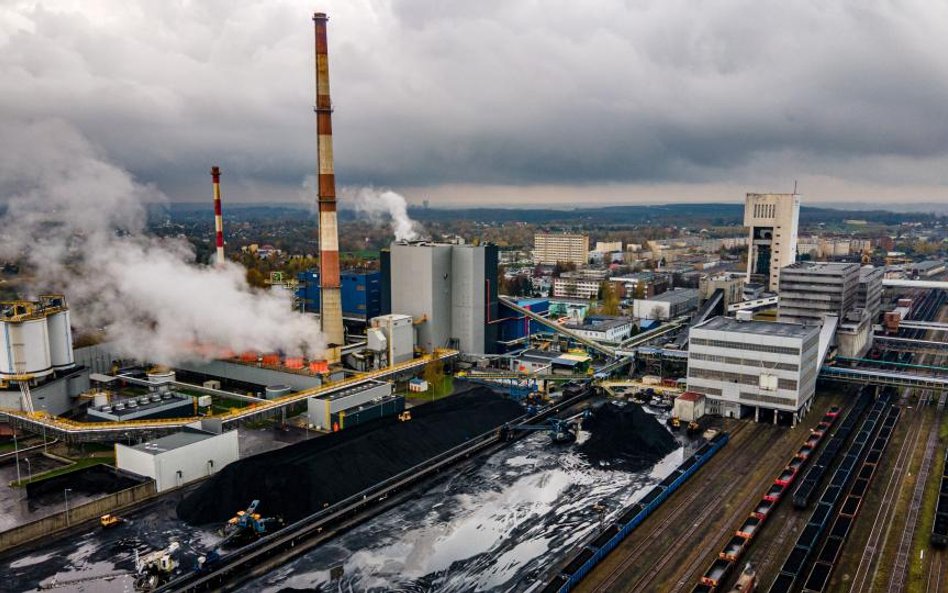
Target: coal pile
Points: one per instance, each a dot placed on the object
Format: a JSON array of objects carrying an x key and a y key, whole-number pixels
[
  {"x": 625, "y": 437},
  {"x": 301, "y": 479},
  {"x": 92, "y": 480}
]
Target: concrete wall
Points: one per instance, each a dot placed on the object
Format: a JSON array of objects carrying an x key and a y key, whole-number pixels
[
  {"x": 194, "y": 462},
  {"x": 48, "y": 526}
]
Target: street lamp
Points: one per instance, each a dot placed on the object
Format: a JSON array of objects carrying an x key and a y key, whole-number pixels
[
  {"x": 66, "y": 496},
  {"x": 29, "y": 466},
  {"x": 16, "y": 454}
]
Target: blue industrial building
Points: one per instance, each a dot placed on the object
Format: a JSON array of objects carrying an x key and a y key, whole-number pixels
[
  {"x": 513, "y": 328},
  {"x": 361, "y": 293}
]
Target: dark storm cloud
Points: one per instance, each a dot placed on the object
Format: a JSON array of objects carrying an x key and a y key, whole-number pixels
[{"x": 494, "y": 92}]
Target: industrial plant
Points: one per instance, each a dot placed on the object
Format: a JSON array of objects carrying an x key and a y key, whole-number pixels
[{"x": 714, "y": 411}]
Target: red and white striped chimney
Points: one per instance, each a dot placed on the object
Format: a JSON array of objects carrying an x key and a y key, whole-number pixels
[
  {"x": 218, "y": 217},
  {"x": 330, "y": 298}
]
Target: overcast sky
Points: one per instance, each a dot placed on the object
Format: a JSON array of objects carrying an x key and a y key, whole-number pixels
[{"x": 499, "y": 101}]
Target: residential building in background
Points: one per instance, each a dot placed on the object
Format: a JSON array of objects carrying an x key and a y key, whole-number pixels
[
  {"x": 552, "y": 248},
  {"x": 608, "y": 246},
  {"x": 773, "y": 221},
  {"x": 763, "y": 368},
  {"x": 811, "y": 290}
]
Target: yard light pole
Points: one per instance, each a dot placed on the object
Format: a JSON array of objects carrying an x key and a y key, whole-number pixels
[
  {"x": 66, "y": 497},
  {"x": 29, "y": 466},
  {"x": 16, "y": 454}
]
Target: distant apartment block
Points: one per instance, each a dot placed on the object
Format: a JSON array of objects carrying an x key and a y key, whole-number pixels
[
  {"x": 760, "y": 368},
  {"x": 811, "y": 290},
  {"x": 551, "y": 248},
  {"x": 773, "y": 220},
  {"x": 608, "y": 246},
  {"x": 576, "y": 288}
]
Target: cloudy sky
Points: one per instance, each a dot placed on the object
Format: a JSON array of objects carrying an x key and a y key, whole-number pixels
[{"x": 498, "y": 101}]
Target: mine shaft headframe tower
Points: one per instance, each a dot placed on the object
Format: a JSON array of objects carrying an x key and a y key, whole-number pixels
[{"x": 330, "y": 302}]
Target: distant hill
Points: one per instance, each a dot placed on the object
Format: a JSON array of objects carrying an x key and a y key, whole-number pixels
[{"x": 670, "y": 214}]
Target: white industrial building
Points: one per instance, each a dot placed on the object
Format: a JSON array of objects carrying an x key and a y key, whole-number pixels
[
  {"x": 811, "y": 290},
  {"x": 611, "y": 330},
  {"x": 392, "y": 338},
  {"x": 179, "y": 458},
  {"x": 773, "y": 220},
  {"x": 450, "y": 291},
  {"x": 766, "y": 369},
  {"x": 667, "y": 305}
]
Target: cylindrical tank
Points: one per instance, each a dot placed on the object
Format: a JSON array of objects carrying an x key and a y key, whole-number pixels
[
  {"x": 160, "y": 375},
  {"x": 60, "y": 340},
  {"x": 275, "y": 391},
  {"x": 24, "y": 348}
]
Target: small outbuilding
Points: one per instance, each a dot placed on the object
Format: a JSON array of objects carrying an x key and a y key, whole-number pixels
[
  {"x": 179, "y": 458},
  {"x": 689, "y": 406}
]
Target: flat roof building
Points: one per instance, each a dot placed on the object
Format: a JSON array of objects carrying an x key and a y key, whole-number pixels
[
  {"x": 179, "y": 458},
  {"x": 667, "y": 305},
  {"x": 773, "y": 221},
  {"x": 811, "y": 290},
  {"x": 551, "y": 248},
  {"x": 869, "y": 293},
  {"x": 760, "y": 368}
]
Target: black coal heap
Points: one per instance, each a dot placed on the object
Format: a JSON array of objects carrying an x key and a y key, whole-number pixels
[
  {"x": 625, "y": 437},
  {"x": 298, "y": 480}
]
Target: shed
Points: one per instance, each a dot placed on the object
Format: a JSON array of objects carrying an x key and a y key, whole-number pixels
[{"x": 689, "y": 406}]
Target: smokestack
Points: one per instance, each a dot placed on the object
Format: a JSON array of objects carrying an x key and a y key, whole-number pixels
[
  {"x": 330, "y": 299},
  {"x": 218, "y": 218}
]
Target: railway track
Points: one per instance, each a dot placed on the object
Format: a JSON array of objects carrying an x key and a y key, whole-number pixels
[
  {"x": 862, "y": 581},
  {"x": 685, "y": 512},
  {"x": 933, "y": 582},
  {"x": 900, "y": 569}
]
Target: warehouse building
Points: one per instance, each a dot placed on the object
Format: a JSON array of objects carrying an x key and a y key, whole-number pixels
[
  {"x": 179, "y": 458},
  {"x": 328, "y": 412},
  {"x": 603, "y": 328},
  {"x": 754, "y": 368},
  {"x": 811, "y": 290},
  {"x": 667, "y": 305}
]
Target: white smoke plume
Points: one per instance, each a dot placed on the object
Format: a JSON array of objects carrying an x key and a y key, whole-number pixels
[
  {"x": 79, "y": 221},
  {"x": 382, "y": 205}
]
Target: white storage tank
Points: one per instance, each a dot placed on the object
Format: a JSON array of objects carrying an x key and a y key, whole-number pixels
[
  {"x": 160, "y": 376},
  {"x": 100, "y": 399},
  {"x": 60, "y": 340},
  {"x": 24, "y": 348},
  {"x": 275, "y": 391}
]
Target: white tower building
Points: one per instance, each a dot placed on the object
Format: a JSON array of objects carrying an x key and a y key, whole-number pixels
[{"x": 773, "y": 220}]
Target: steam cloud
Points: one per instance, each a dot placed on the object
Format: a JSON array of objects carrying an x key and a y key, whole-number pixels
[
  {"x": 79, "y": 221},
  {"x": 379, "y": 205}
]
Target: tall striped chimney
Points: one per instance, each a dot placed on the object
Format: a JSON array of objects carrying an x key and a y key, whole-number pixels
[
  {"x": 330, "y": 299},
  {"x": 218, "y": 218}
]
